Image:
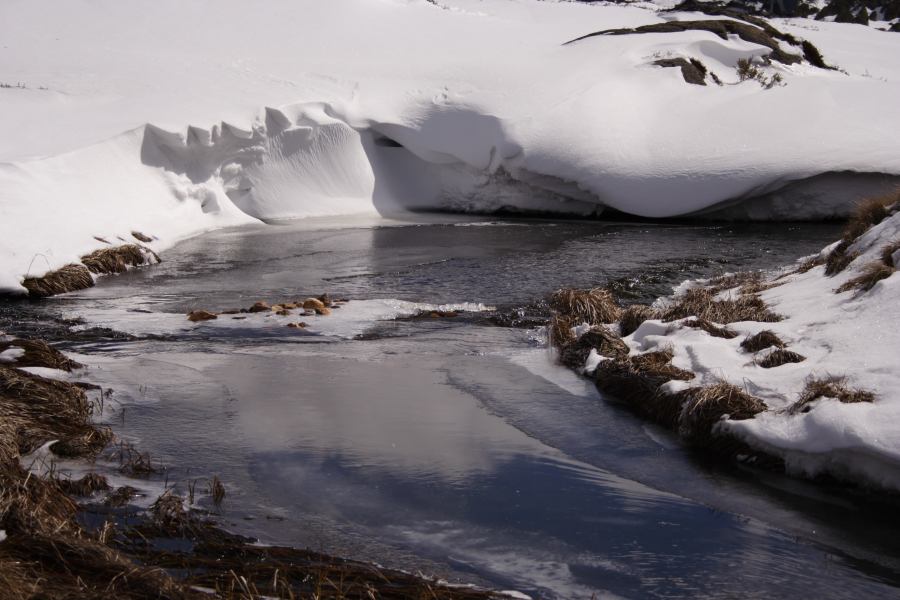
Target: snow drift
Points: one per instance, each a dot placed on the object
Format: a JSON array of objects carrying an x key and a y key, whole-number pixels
[{"x": 395, "y": 105}]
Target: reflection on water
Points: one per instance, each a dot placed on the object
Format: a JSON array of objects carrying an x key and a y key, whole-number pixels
[{"x": 457, "y": 448}]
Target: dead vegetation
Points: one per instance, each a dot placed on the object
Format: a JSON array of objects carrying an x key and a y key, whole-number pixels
[
  {"x": 633, "y": 317},
  {"x": 701, "y": 302},
  {"x": 574, "y": 353},
  {"x": 762, "y": 340},
  {"x": 868, "y": 213},
  {"x": 593, "y": 306},
  {"x": 711, "y": 328},
  {"x": 73, "y": 277},
  {"x": 114, "y": 260},
  {"x": 69, "y": 278},
  {"x": 870, "y": 274},
  {"x": 86, "y": 486},
  {"x": 830, "y": 386},
  {"x": 888, "y": 252},
  {"x": 704, "y": 407},
  {"x": 779, "y": 357},
  {"x": 39, "y": 354}
]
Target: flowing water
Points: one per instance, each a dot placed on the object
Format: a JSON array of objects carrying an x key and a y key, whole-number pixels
[{"x": 453, "y": 446}]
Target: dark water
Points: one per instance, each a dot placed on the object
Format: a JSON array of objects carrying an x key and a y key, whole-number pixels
[{"x": 456, "y": 448}]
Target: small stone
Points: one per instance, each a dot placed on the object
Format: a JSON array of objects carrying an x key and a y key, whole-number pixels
[
  {"x": 300, "y": 325},
  {"x": 201, "y": 315},
  {"x": 283, "y": 313},
  {"x": 289, "y": 305},
  {"x": 238, "y": 318},
  {"x": 323, "y": 311},
  {"x": 313, "y": 303},
  {"x": 232, "y": 311},
  {"x": 260, "y": 307},
  {"x": 325, "y": 299}
]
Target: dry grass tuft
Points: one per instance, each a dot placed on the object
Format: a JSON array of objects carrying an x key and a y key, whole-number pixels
[
  {"x": 870, "y": 212},
  {"x": 67, "y": 279},
  {"x": 575, "y": 353},
  {"x": 216, "y": 490},
  {"x": 838, "y": 259},
  {"x": 633, "y": 316},
  {"x": 780, "y": 357},
  {"x": 711, "y": 328},
  {"x": 39, "y": 353},
  {"x": 867, "y": 214},
  {"x": 86, "y": 486},
  {"x": 559, "y": 330},
  {"x": 887, "y": 253},
  {"x": 594, "y": 306},
  {"x": 132, "y": 461},
  {"x": 872, "y": 273},
  {"x": 702, "y": 304},
  {"x": 705, "y": 407},
  {"x": 120, "y": 496},
  {"x": 636, "y": 381},
  {"x": 830, "y": 386},
  {"x": 809, "y": 264},
  {"x": 761, "y": 341},
  {"x": 114, "y": 260},
  {"x": 141, "y": 237},
  {"x": 41, "y": 410}
]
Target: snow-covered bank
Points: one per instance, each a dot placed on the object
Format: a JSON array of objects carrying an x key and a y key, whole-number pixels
[
  {"x": 831, "y": 408},
  {"x": 390, "y": 105}
]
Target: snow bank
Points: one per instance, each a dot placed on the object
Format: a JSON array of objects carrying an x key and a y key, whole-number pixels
[
  {"x": 149, "y": 116},
  {"x": 852, "y": 334}
]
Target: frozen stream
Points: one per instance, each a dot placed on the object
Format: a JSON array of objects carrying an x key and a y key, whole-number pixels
[{"x": 452, "y": 446}]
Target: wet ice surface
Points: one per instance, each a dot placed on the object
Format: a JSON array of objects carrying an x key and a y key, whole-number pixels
[{"x": 456, "y": 448}]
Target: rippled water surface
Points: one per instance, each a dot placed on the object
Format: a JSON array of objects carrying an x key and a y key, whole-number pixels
[{"x": 455, "y": 447}]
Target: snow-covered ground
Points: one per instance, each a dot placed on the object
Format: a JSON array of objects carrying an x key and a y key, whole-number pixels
[
  {"x": 171, "y": 118},
  {"x": 851, "y": 334}
]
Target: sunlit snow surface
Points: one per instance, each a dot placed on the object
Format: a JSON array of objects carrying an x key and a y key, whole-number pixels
[
  {"x": 852, "y": 334},
  {"x": 171, "y": 119}
]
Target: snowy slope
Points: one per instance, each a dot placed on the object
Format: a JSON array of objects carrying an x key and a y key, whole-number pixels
[
  {"x": 850, "y": 334},
  {"x": 171, "y": 118}
]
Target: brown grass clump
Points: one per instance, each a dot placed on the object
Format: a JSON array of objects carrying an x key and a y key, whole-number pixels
[
  {"x": 39, "y": 353},
  {"x": 559, "y": 330},
  {"x": 633, "y": 316},
  {"x": 44, "y": 409},
  {"x": 780, "y": 357},
  {"x": 120, "y": 496},
  {"x": 704, "y": 408},
  {"x": 67, "y": 279},
  {"x": 636, "y": 381},
  {"x": 575, "y": 353},
  {"x": 872, "y": 273},
  {"x": 711, "y": 328},
  {"x": 867, "y": 214},
  {"x": 114, "y": 260},
  {"x": 887, "y": 253},
  {"x": 761, "y": 341},
  {"x": 196, "y": 316},
  {"x": 870, "y": 212},
  {"x": 216, "y": 490},
  {"x": 830, "y": 386},
  {"x": 141, "y": 237},
  {"x": 838, "y": 259},
  {"x": 593, "y": 306},
  {"x": 701, "y": 303},
  {"x": 87, "y": 485}
]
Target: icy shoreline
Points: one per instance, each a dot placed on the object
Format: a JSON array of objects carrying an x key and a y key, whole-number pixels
[
  {"x": 473, "y": 109},
  {"x": 799, "y": 365}
]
